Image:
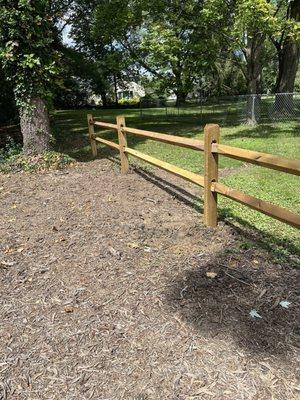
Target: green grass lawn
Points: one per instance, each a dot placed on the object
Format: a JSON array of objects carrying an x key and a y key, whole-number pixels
[{"x": 278, "y": 139}]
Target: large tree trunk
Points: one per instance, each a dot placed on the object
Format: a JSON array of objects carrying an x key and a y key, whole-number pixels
[
  {"x": 288, "y": 62},
  {"x": 288, "y": 56},
  {"x": 181, "y": 96},
  {"x": 35, "y": 127},
  {"x": 180, "y": 89}
]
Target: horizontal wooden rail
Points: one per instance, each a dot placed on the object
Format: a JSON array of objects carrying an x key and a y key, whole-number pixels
[
  {"x": 105, "y": 125},
  {"x": 107, "y": 142},
  {"x": 212, "y": 149},
  {"x": 171, "y": 139},
  {"x": 189, "y": 176},
  {"x": 258, "y": 158},
  {"x": 280, "y": 213}
]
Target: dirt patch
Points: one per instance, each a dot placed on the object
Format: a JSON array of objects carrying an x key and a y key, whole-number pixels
[{"x": 105, "y": 294}]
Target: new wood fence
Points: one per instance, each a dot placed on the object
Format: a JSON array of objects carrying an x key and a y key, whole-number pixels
[{"x": 212, "y": 149}]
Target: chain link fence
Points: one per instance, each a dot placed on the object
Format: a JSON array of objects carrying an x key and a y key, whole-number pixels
[{"x": 242, "y": 109}]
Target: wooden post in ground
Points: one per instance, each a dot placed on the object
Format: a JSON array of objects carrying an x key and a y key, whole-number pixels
[
  {"x": 211, "y": 135},
  {"x": 92, "y": 134},
  {"x": 122, "y": 143}
]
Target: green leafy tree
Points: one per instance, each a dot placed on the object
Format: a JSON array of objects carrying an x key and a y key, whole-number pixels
[
  {"x": 253, "y": 21},
  {"x": 100, "y": 49},
  {"x": 172, "y": 41},
  {"x": 8, "y": 111},
  {"x": 29, "y": 62}
]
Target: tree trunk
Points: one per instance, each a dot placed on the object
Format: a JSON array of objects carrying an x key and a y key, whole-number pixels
[
  {"x": 254, "y": 74},
  {"x": 180, "y": 97},
  {"x": 35, "y": 127},
  {"x": 115, "y": 89},
  {"x": 104, "y": 99},
  {"x": 288, "y": 56},
  {"x": 288, "y": 61}
]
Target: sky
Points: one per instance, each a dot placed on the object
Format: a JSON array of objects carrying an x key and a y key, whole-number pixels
[{"x": 66, "y": 36}]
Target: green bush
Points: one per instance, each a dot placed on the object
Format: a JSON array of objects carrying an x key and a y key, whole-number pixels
[
  {"x": 10, "y": 149},
  {"x": 129, "y": 102}
]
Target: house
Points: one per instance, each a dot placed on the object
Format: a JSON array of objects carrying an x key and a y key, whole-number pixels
[{"x": 129, "y": 90}]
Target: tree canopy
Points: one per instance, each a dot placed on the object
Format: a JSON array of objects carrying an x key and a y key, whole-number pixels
[{"x": 172, "y": 46}]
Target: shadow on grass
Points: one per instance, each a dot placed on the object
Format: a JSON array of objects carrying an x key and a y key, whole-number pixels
[
  {"x": 263, "y": 131},
  {"x": 71, "y": 132},
  {"x": 219, "y": 308}
]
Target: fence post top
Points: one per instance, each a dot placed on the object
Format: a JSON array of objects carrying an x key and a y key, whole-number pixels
[
  {"x": 211, "y": 126},
  {"x": 90, "y": 118}
]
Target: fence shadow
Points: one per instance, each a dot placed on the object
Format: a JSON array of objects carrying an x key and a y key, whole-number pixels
[
  {"x": 176, "y": 191},
  {"x": 241, "y": 226},
  {"x": 220, "y": 307}
]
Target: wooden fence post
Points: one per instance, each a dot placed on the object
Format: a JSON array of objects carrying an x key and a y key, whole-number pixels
[
  {"x": 211, "y": 135},
  {"x": 90, "y": 121},
  {"x": 122, "y": 143}
]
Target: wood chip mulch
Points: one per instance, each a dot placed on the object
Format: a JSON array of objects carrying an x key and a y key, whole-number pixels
[{"x": 112, "y": 288}]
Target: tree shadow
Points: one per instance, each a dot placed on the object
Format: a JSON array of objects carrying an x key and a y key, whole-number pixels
[
  {"x": 263, "y": 131},
  {"x": 71, "y": 131},
  {"x": 220, "y": 307}
]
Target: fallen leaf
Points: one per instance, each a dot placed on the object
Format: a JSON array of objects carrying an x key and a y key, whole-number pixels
[
  {"x": 211, "y": 274},
  {"x": 114, "y": 252},
  {"x": 133, "y": 245},
  {"x": 7, "y": 263},
  {"x": 262, "y": 293}
]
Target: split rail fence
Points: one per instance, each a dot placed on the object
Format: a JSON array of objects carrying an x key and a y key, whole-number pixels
[{"x": 212, "y": 149}]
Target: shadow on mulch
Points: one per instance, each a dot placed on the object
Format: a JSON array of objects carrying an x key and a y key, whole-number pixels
[
  {"x": 219, "y": 307},
  {"x": 181, "y": 194},
  {"x": 245, "y": 229}
]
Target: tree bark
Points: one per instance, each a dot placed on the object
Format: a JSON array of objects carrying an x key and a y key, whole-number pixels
[
  {"x": 35, "y": 127},
  {"x": 288, "y": 55},
  {"x": 253, "y": 53},
  {"x": 104, "y": 98},
  {"x": 115, "y": 89},
  {"x": 180, "y": 97}
]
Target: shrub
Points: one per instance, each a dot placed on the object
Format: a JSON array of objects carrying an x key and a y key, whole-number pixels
[{"x": 129, "y": 102}]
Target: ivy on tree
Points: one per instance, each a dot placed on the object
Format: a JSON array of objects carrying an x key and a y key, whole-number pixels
[{"x": 29, "y": 62}]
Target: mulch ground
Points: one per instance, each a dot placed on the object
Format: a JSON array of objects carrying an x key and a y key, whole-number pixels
[{"x": 104, "y": 294}]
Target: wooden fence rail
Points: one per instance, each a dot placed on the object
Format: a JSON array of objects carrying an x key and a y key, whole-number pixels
[{"x": 212, "y": 149}]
